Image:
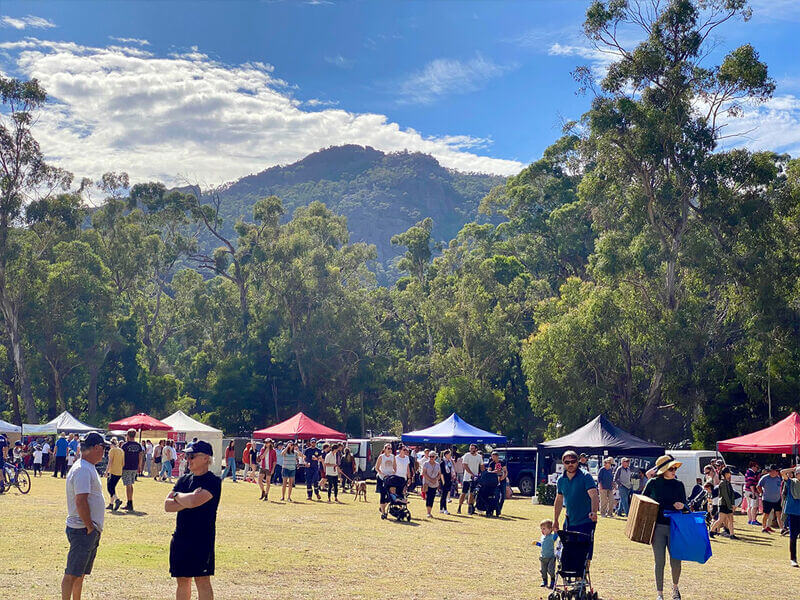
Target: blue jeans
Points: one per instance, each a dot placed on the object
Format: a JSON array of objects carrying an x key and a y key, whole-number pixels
[
  {"x": 624, "y": 501},
  {"x": 166, "y": 468},
  {"x": 230, "y": 467}
]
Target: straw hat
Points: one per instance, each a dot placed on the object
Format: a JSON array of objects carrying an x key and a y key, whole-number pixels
[{"x": 663, "y": 463}]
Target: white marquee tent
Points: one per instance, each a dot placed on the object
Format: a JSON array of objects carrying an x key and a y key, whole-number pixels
[
  {"x": 64, "y": 422},
  {"x": 6, "y": 427},
  {"x": 183, "y": 423}
]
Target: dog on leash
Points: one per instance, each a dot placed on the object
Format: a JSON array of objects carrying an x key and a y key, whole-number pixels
[{"x": 360, "y": 488}]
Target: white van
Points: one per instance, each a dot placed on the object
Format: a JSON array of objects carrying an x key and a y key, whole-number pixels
[{"x": 694, "y": 461}]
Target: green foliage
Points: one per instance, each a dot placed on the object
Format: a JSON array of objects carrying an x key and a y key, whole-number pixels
[{"x": 546, "y": 494}]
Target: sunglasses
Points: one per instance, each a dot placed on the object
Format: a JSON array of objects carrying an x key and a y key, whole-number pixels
[
  {"x": 673, "y": 469},
  {"x": 569, "y": 462}
]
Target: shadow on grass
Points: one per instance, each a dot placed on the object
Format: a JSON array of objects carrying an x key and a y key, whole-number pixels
[{"x": 129, "y": 513}]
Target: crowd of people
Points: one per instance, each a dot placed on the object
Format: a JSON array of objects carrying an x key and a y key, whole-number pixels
[{"x": 447, "y": 475}]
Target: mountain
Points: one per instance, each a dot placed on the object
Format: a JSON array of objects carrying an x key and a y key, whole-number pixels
[{"x": 380, "y": 194}]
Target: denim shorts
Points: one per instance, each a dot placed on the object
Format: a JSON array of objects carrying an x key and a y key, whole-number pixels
[
  {"x": 82, "y": 550},
  {"x": 289, "y": 472}
]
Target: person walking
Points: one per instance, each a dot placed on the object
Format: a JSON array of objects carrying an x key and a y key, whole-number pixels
[
  {"x": 384, "y": 468},
  {"x": 622, "y": 478},
  {"x": 332, "y": 473},
  {"x": 751, "y": 477},
  {"x": 230, "y": 461},
  {"x": 168, "y": 456},
  {"x": 576, "y": 492},
  {"x": 473, "y": 465},
  {"x": 289, "y": 471},
  {"x": 448, "y": 474},
  {"x": 313, "y": 458},
  {"x": 73, "y": 445},
  {"x": 246, "y": 460},
  {"x": 726, "y": 505},
  {"x": 267, "y": 459},
  {"x": 116, "y": 459},
  {"x": 277, "y": 475},
  {"x": 347, "y": 467},
  {"x": 45, "y": 454},
  {"x": 605, "y": 486},
  {"x": 431, "y": 476},
  {"x": 670, "y": 494},
  {"x": 791, "y": 508},
  {"x": 62, "y": 450},
  {"x": 458, "y": 461},
  {"x": 769, "y": 487},
  {"x": 157, "y": 451},
  {"x": 37, "y": 460},
  {"x": 195, "y": 497},
  {"x": 134, "y": 458},
  {"x": 496, "y": 466},
  {"x": 85, "y": 515},
  {"x": 148, "y": 458}
]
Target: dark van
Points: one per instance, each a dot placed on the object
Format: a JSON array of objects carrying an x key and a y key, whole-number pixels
[{"x": 521, "y": 465}]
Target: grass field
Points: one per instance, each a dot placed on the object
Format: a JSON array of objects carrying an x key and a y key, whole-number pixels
[{"x": 321, "y": 551}]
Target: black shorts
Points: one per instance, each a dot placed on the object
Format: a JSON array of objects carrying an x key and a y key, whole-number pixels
[
  {"x": 468, "y": 486},
  {"x": 725, "y": 510},
  {"x": 770, "y": 506},
  {"x": 191, "y": 557}
]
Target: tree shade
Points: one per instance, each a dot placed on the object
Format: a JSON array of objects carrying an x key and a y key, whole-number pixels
[
  {"x": 453, "y": 430},
  {"x": 781, "y": 438},
  {"x": 599, "y": 435},
  {"x": 299, "y": 427}
]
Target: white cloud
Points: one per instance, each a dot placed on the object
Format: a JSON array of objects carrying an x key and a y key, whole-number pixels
[
  {"x": 187, "y": 116},
  {"x": 445, "y": 76},
  {"x": 25, "y": 22},
  {"x": 774, "y": 125},
  {"x": 775, "y": 10},
  {"x": 340, "y": 61},
  {"x": 127, "y": 40}
]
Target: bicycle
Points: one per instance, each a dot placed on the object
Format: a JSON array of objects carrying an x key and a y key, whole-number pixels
[{"x": 14, "y": 475}]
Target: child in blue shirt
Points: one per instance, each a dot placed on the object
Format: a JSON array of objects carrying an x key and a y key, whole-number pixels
[{"x": 547, "y": 558}]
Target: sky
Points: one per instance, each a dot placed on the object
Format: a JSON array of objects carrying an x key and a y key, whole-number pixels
[{"x": 207, "y": 92}]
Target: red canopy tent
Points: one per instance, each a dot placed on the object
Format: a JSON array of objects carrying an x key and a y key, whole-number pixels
[
  {"x": 781, "y": 438},
  {"x": 299, "y": 427}
]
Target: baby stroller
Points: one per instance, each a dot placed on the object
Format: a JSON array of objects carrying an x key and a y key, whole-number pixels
[
  {"x": 398, "y": 506},
  {"x": 487, "y": 493},
  {"x": 572, "y": 576}
]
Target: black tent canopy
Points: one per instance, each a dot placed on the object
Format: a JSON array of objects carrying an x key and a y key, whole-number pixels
[{"x": 600, "y": 435}]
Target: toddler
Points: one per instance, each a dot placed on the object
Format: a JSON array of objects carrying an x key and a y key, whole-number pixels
[
  {"x": 547, "y": 558},
  {"x": 70, "y": 458}
]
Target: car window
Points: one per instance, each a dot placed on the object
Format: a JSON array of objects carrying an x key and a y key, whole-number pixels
[{"x": 705, "y": 460}]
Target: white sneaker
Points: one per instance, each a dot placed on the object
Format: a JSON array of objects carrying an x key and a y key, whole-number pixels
[
  {"x": 793, "y": 563},
  {"x": 444, "y": 512}
]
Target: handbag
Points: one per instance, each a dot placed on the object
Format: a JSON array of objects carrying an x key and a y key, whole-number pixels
[{"x": 688, "y": 536}]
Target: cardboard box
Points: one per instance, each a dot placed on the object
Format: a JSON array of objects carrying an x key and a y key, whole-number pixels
[{"x": 642, "y": 519}]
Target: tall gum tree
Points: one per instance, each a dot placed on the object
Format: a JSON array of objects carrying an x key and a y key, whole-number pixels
[{"x": 653, "y": 129}]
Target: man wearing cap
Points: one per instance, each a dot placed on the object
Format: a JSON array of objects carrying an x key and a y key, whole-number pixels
[
  {"x": 85, "y": 515},
  {"x": 622, "y": 478},
  {"x": 605, "y": 483},
  {"x": 62, "y": 449},
  {"x": 134, "y": 458},
  {"x": 576, "y": 491},
  {"x": 583, "y": 462},
  {"x": 313, "y": 457},
  {"x": 195, "y": 498},
  {"x": 769, "y": 486}
]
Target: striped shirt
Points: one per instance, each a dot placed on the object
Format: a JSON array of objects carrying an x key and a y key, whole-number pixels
[{"x": 290, "y": 461}]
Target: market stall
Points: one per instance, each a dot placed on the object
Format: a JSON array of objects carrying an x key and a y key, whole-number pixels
[
  {"x": 184, "y": 428},
  {"x": 299, "y": 427},
  {"x": 453, "y": 430}
]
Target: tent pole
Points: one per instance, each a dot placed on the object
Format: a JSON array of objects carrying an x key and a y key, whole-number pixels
[{"x": 536, "y": 478}]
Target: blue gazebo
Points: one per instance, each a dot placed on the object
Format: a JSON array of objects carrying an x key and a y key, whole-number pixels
[{"x": 453, "y": 430}]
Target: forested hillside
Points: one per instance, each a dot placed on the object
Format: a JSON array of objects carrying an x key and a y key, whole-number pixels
[
  {"x": 380, "y": 194},
  {"x": 637, "y": 269}
]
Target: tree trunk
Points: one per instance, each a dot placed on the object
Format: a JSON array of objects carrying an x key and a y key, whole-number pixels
[
  {"x": 94, "y": 372},
  {"x": 13, "y": 400},
  {"x": 18, "y": 354},
  {"x": 650, "y": 409},
  {"x": 52, "y": 398},
  {"x": 275, "y": 398}
]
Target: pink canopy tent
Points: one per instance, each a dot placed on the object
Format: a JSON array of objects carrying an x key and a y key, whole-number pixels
[
  {"x": 781, "y": 438},
  {"x": 299, "y": 427},
  {"x": 140, "y": 422}
]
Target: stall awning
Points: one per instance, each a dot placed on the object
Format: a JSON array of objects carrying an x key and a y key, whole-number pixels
[
  {"x": 64, "y": 422},
  {"x": 781, "y": 438},
  {"x": 299, "y": 427},
  {"x": 140, "y": 422},
  {"x": 453, "y": 430},
  {"x": 600, "y": 434}
]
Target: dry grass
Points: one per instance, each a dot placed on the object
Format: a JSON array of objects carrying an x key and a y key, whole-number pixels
[{"x": 321, "y": 551}]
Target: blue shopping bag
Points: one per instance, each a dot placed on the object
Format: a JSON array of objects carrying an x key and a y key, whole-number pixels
[{"x": 688, "y": 536}]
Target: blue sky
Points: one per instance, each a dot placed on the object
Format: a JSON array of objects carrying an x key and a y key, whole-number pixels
[{"x": 208, "y": 91}]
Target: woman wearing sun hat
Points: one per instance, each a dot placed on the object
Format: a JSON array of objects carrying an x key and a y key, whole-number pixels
[{"x": 670, "y": 494}]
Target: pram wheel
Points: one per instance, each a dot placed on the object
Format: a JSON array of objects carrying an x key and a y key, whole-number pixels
[{"x": 408, "y": 517}]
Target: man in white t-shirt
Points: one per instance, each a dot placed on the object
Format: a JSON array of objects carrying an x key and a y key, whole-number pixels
[
  {"x": 332, "y": 472},
  {"x": 85, "y": 515},
  {"x": 473, "y": 465}
]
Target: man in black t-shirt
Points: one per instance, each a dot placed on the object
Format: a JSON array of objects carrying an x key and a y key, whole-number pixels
[
  {"x": 134, "y": 459},
  {"x": 313, "y": 458},
  {"x": 195, "y": 498}
]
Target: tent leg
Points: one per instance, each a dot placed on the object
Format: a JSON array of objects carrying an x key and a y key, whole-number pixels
[{"x": 536, "y": 479}]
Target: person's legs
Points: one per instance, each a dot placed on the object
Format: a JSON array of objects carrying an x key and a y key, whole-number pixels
[
  {"x": 283, "y": 489},
  {"x": 204, "y": 590},
  {"x": 267, "y": 483},
  {"x": 660, "y": 543},
  {"x": 261, "y": 477},
  {"x": 232, "y": 466},
  {"x": 71, "y": 587},
  {"x": 184, "y": 591},
  {"x": 129, "y": 493},
  {"x": 543, "y": 566},
  {"x": 309, "y": 481},
  {"x": 291, "y": 485},
  {"x": 793, "y": 521},
  {"x": 430, "y": 497},
  {"x": 624, "y": 498},
  {"x": 443, "y": 498}
]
